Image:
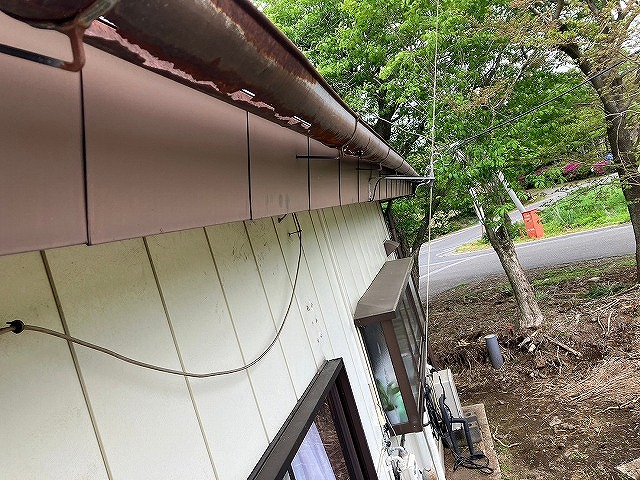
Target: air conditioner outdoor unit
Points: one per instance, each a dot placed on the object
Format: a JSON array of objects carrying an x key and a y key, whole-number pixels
[{"x": 443, "y": 383}]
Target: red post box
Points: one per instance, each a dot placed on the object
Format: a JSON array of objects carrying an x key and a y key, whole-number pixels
[{"x": 533, "y": 224}]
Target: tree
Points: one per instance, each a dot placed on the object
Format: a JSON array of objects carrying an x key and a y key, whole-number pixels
[
  {"x": 601, "y": 38},
  {"x": 379, "y": 55}
]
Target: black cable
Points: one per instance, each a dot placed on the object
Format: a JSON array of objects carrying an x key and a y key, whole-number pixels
[
  {"x": 537, "y": 107},
  {"x": 17, "y": 326},
  {"x": 441, "y": 432}
]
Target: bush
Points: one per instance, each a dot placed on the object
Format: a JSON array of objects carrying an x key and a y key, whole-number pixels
[
  {"x": 544, "y": 177},
  {"x": 576, "y": 171}
]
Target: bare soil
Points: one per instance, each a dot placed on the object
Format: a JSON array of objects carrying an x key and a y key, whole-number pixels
[{"x": 567, "y": 407}]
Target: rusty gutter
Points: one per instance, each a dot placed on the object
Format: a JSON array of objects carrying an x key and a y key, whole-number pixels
[{"x": 227, "y": 49}]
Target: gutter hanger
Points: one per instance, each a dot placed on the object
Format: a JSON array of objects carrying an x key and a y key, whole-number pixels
[{"x": 230, "y": 50}]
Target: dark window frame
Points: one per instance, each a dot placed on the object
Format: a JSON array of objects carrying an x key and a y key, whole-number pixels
[
  {"x": 330, "y": 383},
  {"x": 382, "y": 303}
]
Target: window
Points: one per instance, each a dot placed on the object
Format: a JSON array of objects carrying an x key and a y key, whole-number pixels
[
  {"x": 323, "y": 438},
  {"x": 391, "y": 321}
]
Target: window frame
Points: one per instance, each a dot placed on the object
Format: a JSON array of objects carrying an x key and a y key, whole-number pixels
[
  {"x": 330, "y": 383},
  {"x": 382, "y": 304}
]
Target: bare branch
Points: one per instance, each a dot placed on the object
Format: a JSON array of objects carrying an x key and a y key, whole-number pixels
[
  {"x": 595, "y": 10},
  {"x": 558, "y": 10}
]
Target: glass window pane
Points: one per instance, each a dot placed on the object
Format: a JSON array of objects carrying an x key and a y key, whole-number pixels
[
  {"x": 311, "y": 462},
  {"x": 384, "y": 374},
  {"x": 320, "y": 456},
  {"x": 413, "y": 295},
  {"x": 332, "y": 442},
  {"x": 405, "y": 313},
  {"x": 412, "y": 312},
  {"x": 409, "y": 359}
]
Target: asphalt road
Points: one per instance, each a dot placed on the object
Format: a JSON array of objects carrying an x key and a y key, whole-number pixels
[{"x": 449, "y": 269}]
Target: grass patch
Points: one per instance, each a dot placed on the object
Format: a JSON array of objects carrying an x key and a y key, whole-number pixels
[
  {"x": 606, "y": 289},
  {"x": 557, "y": 276},
  {"x": 584, "y": 209}
]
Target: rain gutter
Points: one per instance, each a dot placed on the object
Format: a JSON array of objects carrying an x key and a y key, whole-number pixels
[{"x": 227, "y": 49}]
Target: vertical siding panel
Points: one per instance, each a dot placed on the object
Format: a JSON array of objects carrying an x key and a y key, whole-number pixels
[
  {"x": 354, "y": 256},
  {"x": 353, "y": 228},
  {"x": 364, "y": 233},
  {"x": 305, "y": 292},
  {"x": 303, "y": 357},
  {"x": 207, "y": 342},
  {"x": 370, "y": 237},
  {"x": 373, "y": 214},
  {"x": 339, "y": 322},
  {"x": 253, "y": 322},
  {"x": 351, "y": 280},
  {"x": 384, "y": 229},
  {"x": 45, "y": 411},
  {"x": 146, "y": 419},
  {"x": 371, "y": 217}
]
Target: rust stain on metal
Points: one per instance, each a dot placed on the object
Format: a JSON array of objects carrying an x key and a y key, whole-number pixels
[
  {"x": 139, "y": 55},
  {"x": 44, "y": 10},
  {"x": 224, "y": 48},
  {"x": 265, "y": 38}
]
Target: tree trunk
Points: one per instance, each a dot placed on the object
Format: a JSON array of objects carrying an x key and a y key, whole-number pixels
[
  {"x": 530, "y": 314},
  {"x": 621, "y": 141},
  {"x": 622, "y": 135}
]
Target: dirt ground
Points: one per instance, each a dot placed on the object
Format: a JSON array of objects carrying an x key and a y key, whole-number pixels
[{"x": 566, "y": 403}]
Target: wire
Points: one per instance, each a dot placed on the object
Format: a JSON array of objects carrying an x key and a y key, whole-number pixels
[
  {"x": 537, "y": 107},
  {"x": 431, "y": 173},
  {"x": 443, "y": 432},
  {"x": 18, "y": 326},
  {"x": 464, "y": 141},
  {"x": 435, "y": 84}
]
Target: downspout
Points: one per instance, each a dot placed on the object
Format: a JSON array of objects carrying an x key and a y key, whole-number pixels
[{"x": 227, "y": 49}]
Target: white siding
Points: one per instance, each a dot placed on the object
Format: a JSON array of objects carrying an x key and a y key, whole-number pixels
[
  {"x": 146, "y": 419},
  {"x": 45, "y": 431},
  {"x": 254, "y": 324},
  {"x": 207, "y": 341},
  {"x": 204, "y": 300}
]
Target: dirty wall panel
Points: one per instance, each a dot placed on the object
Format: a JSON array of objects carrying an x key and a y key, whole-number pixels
[
  {"x": 161, "y": 157},
  {"x": 339, "y": 321},
  {"x": 353, "y": 231},
  {"x": 42, "y": 182},
  {"x": 348, "y": 180},
  {"x": 146, "y": 419},
  {"x": 304, "y": 356},
  {"x": 207, "y": 342},
  {"x": 40, "y": 387},
  {"x": 324, "y": 176},
  {"x": 279, "y": 180},
  {"x": 253, "y": 323},
  {"x": 305, "y": 292}
]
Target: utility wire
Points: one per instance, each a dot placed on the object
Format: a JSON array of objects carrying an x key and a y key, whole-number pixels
[
  {"x": 537, "y": 107},
  {"x": 513, "y": 119},
  {"x": 431, "y": 172},
  {"x": 17, "y": 326}
]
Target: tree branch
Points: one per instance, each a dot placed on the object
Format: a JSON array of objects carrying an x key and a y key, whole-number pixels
[
  {"x": 594, "y": 8},
  {"x": 558, "y": 10}
]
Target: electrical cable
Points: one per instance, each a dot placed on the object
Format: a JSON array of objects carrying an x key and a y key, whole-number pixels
[
  {"x": 17, "y": 326},
  {"x": 537, "y": 107},
  {"x": 443, "y": 432},
  {"x": 510, "y": 120}
]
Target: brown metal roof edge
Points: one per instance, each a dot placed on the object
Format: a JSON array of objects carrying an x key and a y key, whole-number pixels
[
  {"x": 230, "y": 50},
  {"x": 383, "y": 295}
]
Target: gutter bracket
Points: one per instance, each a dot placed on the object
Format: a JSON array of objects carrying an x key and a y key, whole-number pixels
[{"x": 74, "y": 29}]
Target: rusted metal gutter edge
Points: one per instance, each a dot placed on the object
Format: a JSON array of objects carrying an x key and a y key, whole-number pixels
[{"x": 228, "y": 49}]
